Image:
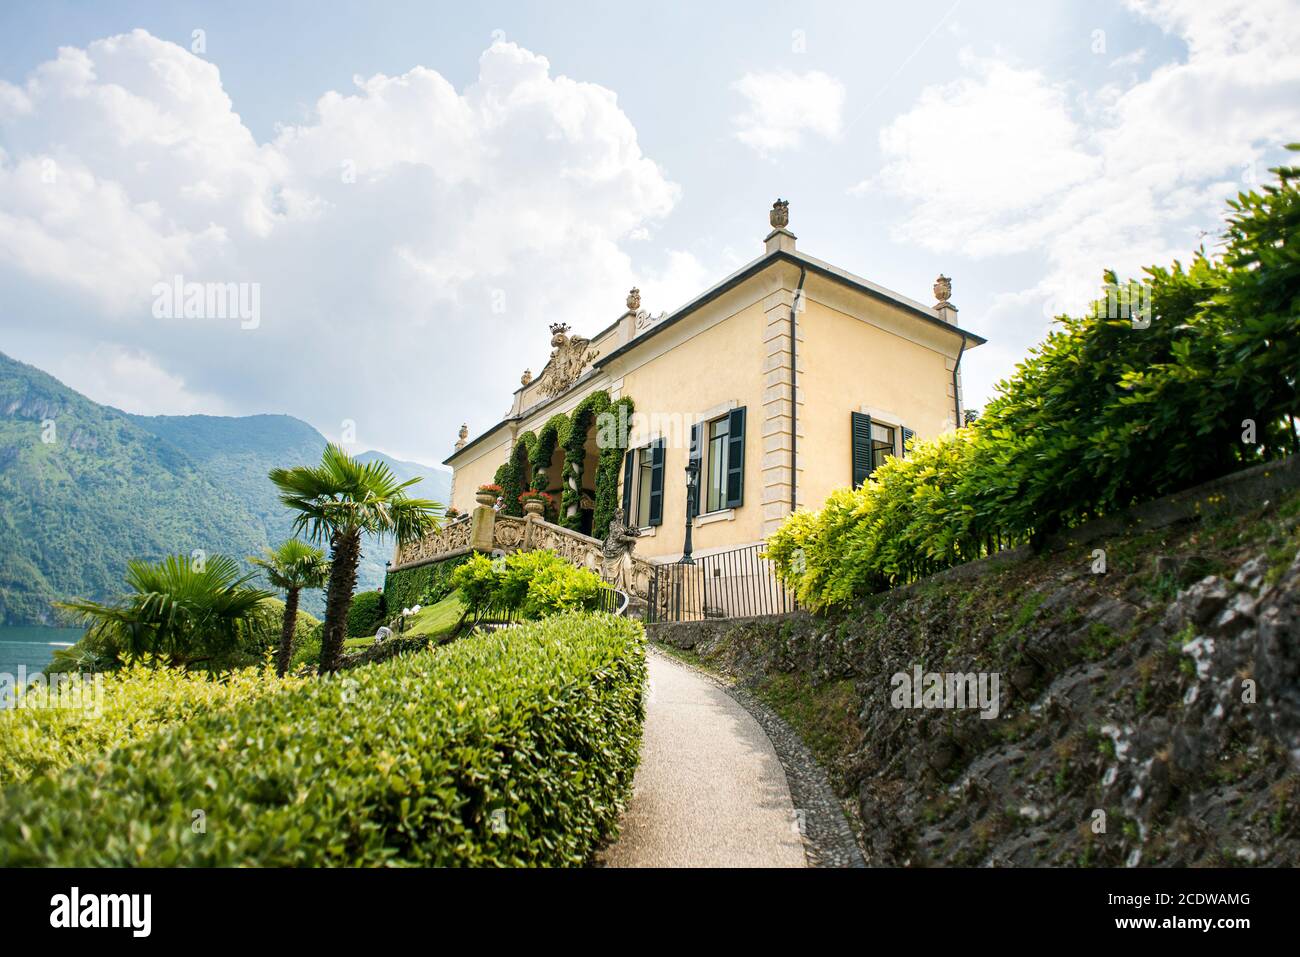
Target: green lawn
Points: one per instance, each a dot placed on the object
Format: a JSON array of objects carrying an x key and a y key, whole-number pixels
[{"x": 435, "y": 620}]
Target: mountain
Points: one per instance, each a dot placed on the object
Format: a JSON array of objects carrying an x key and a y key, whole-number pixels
[
  {"x": 236, "y": 453},
  {"x": 84, "y": 487},
  {"x": 435, "y": 483}
]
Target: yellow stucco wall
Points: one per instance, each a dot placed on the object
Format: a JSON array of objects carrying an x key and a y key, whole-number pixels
[
  {"x": 478, "y": 470},
  {"x": 855, "y": 353},
  {"x": 717, "y": 367},
  {"x": 850, "y": 365}
]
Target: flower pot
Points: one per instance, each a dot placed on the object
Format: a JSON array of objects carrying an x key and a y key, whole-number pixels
[
  {"x": 485, "y": 498},
  {"x": 534, "y": 507}
]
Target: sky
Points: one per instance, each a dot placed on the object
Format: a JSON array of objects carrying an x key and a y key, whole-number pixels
[{"x": 403, "y": 196}]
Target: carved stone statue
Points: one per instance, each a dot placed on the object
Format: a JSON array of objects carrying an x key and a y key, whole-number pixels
[
  {"x": 462, "y": 436},
  {"x": 616, "y": 553},
  {"x": 779, "y": 217},
  {"x": 569, "y": 355},
  {"x": 634, "y": 300},
  {"x": 943, "y": 288},
  {"x": 527, "y": 377}
]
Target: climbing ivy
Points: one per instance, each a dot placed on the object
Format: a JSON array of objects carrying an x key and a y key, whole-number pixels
[
  {"x": 609, "y": 460},
  {"x": 575, "y": 454},
  {"x": 513, "y": 477},
  {"x": 609, "y": 466},
  {"x": 554, "y": 432}
]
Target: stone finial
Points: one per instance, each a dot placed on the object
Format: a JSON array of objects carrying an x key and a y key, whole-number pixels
[
  {"x": 943, "y": 288},
  {"x": 464, "y": 435},
  {"x": 634, "y": 299},
  {"x": 527, "y": 377},
  {"x": 779, "y": 217}
]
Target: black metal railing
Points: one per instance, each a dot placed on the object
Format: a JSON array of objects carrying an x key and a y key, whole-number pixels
[
  {"x": 740, "y": 583},
  {"x": 612, "y": 600}
]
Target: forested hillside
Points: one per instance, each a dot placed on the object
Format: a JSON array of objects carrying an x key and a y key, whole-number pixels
[{"x": 84, "y": 487}]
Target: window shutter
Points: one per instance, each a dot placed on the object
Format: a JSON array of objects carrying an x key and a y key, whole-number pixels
[
  {"x": 693, "y": 507},
  {"x": 629, "y": 463},
  {"x": 736, "y": 458},
  {"x": 657, "y": 483},
  {"x": 907, "y": 437},
  {"x": 861, "y": 434}
]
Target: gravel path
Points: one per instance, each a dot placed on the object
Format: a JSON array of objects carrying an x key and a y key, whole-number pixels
[{"x": 710, "y": 790}]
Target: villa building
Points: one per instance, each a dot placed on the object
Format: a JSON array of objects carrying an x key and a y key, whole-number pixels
[{"x": 786, "y": 380}]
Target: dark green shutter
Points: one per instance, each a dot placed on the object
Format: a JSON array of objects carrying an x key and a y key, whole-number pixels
[
  {"x": 736, "y": 458},
  {"x": 629, "y": 463},
  {"x": 861, "y": 427},
  {"x": 907, "y": 437},
  {"x": 657, "y": 483},
  {"x": 693, "y": 506}
]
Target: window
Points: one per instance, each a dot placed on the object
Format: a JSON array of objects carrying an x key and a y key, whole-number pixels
[
  {"x": 644, "y": 470},
  {"x": 882, "y": 444},
  {"x": 872, "y": 443},
  {"x": 716, "y": 470},
  {"x": 643, "y": 485},
  {"x": 718, "y": 446}
]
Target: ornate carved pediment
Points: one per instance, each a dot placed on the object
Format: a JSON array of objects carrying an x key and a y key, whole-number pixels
[{"x": 569, "y": 356}]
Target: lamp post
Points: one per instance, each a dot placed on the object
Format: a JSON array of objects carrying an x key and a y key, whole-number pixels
[{"x": 692, "y": 482}]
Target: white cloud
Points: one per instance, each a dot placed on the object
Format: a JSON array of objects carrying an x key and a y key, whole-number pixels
[
  {"x": 133, "y": 382},
  {"x": 976, "y": 157},
  {"x": 782, "y": 106},
  {"x": 1133, "y": 58},
  {"x": 410, "y": 241},
  {"x": 1006, "y": 160}
]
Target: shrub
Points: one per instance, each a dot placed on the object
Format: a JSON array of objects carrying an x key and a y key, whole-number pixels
[
  {"x": 306, "y": 646},
  {"x": 1104, "y": 414},
  {"x": 191, "y": 611},
  {"x": 137, "y": 700},
  {"x": 510, "y": 748},
  {"x": 259, "y": 632},
  {"x": 533, "y": 584},
  {"x": 367, "y": 612}
]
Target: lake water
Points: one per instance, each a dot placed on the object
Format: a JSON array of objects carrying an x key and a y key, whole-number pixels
[{"x": 33, "y": 647}]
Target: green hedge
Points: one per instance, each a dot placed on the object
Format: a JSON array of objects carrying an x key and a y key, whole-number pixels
[
  {"x": 422, "y": 585},
  {"x": 510, "y": 748},
  {"x": 1105, "y": 413},
  {"x": 530, "y": 584},
  {"x": 366, "y": 613},
  {"x": 136, "y": 700}
]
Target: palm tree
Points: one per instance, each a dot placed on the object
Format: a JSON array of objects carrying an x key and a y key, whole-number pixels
[
  {"x": 338, "y": 501},
  {"x": 187, "y": 610},
  {"x": 293, "y": 566}
]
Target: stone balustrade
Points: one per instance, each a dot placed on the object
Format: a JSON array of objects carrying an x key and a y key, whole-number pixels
[{"x": 487, "y": 530}]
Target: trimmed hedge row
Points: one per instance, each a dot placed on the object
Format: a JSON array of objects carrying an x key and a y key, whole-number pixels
[
  {"x": 137, "y": 700},
  {"x": 509, "y": 748}
]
